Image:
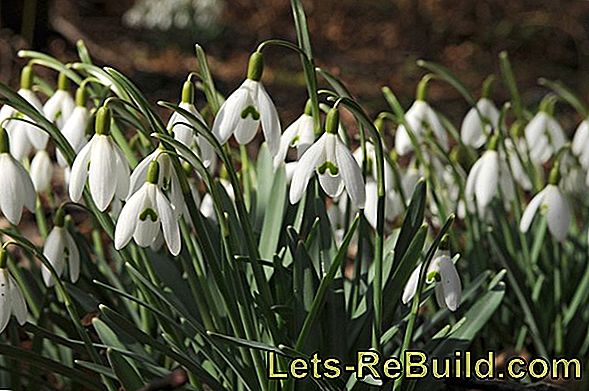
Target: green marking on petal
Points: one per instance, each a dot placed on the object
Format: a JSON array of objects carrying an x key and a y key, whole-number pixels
[
  {"x": 431, "y": 276},
  {"x": 333, "y": 169},
  {"x": 250, "y": 110},
  {"x": 148, "y": 213}
]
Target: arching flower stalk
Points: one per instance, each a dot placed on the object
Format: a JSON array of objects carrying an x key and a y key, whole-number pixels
[
  {"x": 16, "y": 188},
  {"x": 336, "y": 167},
  {"x": 60, "y": 249},
  {"x": 247, "y": 108},
  {"x": 147, "y": 214},
  {"x": 60, "y": 105},
  {"x": 422, "y": 120},
  {"x": 102, "y": 162},
  {"x": 12, "y": 301}
]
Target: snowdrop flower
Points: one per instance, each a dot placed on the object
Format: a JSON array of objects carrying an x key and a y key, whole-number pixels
[
  {"x": 60, "y": 249},
  {"x": 336, "y": 167},
  {"x": 544, "y": 135},
  {"x": 300, "y": 134},
  {"x": 580, "y": 144},
  {"x": 102, "y": 162},
  {"x": 167, "y": 180},
  {"x": 441, "y": 270},
  {"x": 74, "y": 129},
  {"x": 24, "y": 136},
  {"x": 184, "y": 133},
  {"x": 16, "y": 188},
  {"x": 59, "y": 107},
  {"x": 488, "y": 176},
  {"x": 246, "y": 108},
  {"x": 517, "y": 149},
  {"x": 41, "y": 171},
  {"x": 421, "y": 119},
  {"x": 474, "y": 131},
  {"x": 146, "y": 213},
  {"x": 553, "y": 204},
  {"x": 12, "y": 301}
]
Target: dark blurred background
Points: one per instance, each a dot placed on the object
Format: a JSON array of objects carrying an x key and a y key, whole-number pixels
[{"x": 369, "y": 43}]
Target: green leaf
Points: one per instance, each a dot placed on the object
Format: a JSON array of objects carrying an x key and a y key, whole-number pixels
[{"x": 126, "y": 373}]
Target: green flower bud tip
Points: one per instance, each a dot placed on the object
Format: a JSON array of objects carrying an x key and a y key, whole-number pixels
[
  {"x": 153, "y": 172},
  {"x": 3, "y": 258},
  {"x": 487, "y": 89},
  {"x": 63, "y": 82},
  {"x": 59, "y": 218},
  {"x": 26, "y": 77},
  {"x": 493, "y": 142},
  {"x": 554, "y": 177},
  {"x": 255, "y": 67},
  {"x": 308, "y": 107},
  {"x": 4, "y": 141},
  {"x": 332, "y": 121},
  {"x": 81, "y": 97},
  {"x": 421, "y": 92},
  {"x": 547, "y": 104},
  {"x": 103, "y": 118},
  {"x": 188, "y": 92},
  {"x": 445, "y": 242}
]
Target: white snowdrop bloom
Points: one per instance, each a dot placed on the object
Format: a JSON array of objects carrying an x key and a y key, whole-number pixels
[
  {"x": 422, "y": 119},
  {"x": 247, "y": 107},
  {"x": 544, "y": 137},
  {"x": 474, "y": 131},
  {"x": 336, "y": 167},
  {"x": 168, "y": 178},
  {"x": 74, "y": 129},
  {"x": 16, "y": 187},
  {"x": 553, "y": 204},
  {"x": 448, "y": 289},
  {"x": 102, "y": 162},
  {"x": 41, "y": 171},
  {"x": 60, "y": 249},
  {"x": 60, "y": 105},
  {"x": 487, "y": 177},
  {"x": 300, "y": 134},
  {"x": 184, "y": 133},
  {"x": 514, "y": 153},
  {"x": 580, "y": 143},
  {"x": 145, "y": 214},
  {"x": 12, "y": 301}
]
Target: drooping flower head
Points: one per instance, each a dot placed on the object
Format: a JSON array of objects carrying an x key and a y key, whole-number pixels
[
  {"x": 247, "y": 108},
  {"x": 146, "y": 215},
  {"x": 102, "y": 162},
  {"x": 422, "y": 120},
  {"x": 60, "y": 105},
  {"x": 544, "y": 135},
  {"x": 184, "y": 133},
  {"x": 41, "y": 171},
  {"x": 300, "y": 134},
  {"x": 12, "y": 301},
  {"x": 60, "y": 249},
  {"x": 552, "y": 203},
  {"x": 336, "y": 167},
  {"x": 24, "y": 135},
  {"x": 479, "y": 122},
  {"x": 16, "y": 187},
  {"x": 74, "y": 129},
  {"x": 442, "y": 271}
]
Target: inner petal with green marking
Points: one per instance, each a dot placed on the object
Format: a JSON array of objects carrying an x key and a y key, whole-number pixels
[{"x": 250, "y": 110}]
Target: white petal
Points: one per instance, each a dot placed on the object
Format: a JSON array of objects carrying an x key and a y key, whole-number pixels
[
  {"x": 285, "y": 141},
  {"x": 19, "y": 305},
  {"x": 411, "y": 286},
  {"x": 471, "y": 131},
  {"x": 452, "y": 288},
  {"x": 74, "y": 257},
  {"x": 351, "y": 175},
  {"x": 530, "y": 211},
  {"x": 53, "y": 250},
  {"x": 79, "y": 173},
  {"x": 41, "y": 171},
  {"x": 558, "y": 214},
  {"x": 169, "y": 223},
  {"x": 140, "y": 172},
  {"x": 5, "y": 300},
  {"x": 437, "y": 128},
  {"x": 20, "y": 145},
  {"x": 128, "y": 218},
  {"x": 305, "y": 169},
  {"x": 229, "y": 114},
  {"x": 270, "y": 120},
  {"x": 370, "y": 209},
  {"x": 12, "y": 191},
  {"x": 102, "y": 168},
  {"x": 487, "y": 180},
  {"x": 28, "y": 189},
  {"x": 402, "y": 141}
]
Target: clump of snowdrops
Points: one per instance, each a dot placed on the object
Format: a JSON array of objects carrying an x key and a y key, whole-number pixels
[{"x": 166, "y": 244}]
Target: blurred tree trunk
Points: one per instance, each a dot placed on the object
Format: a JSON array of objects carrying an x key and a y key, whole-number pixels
[{"x": 28, "y": 18}]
